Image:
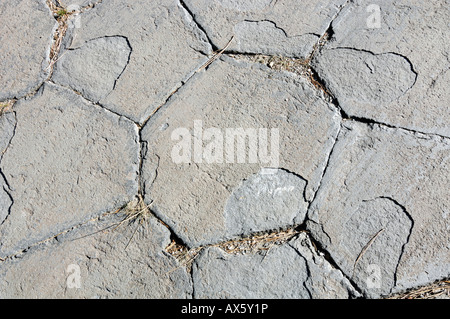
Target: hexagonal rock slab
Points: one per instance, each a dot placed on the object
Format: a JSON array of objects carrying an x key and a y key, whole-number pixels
[
  {"x": 67, "y": 161},
  {"x": 210, "y": 148},
  {"x": 394, "y": 69},
  {"x": 382, "y": 208},
  {"x": 94, "y": 68},
  {"x": 87, "y": 262},
  {"x": 167, "y": 47},
  {"x": 292, "y": 270},
  {"x": 25, "y": 39},
  {"x": 285, "y": 27},
  {"x": 256, "y": 204}
]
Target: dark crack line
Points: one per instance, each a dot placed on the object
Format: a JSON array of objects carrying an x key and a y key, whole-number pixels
[
  {"x": 121, "y": 72},
  {"x": 7, "y": 190},
  {"x": 98, "y": 104},
  {"x": 302, "y": 178},
  {"x": 308, "y": 274},
  {"x": 281, "y": 29},
  {"x": 327, "y": 164},
  {"x": 169, "y": 98},
  {"x": 142, "y": 156},
  {"x": 370, "y": 121},
  {"x": 407, "y": 238},
  {"x": 345, "y": 116},
  {"x": 54, "y": 237},
  {"x": 191, "y": 273},
  {"x": 199, "y": 26},
  {"x": 329, "y": 30},
  {"x": 332, "y": 262}
]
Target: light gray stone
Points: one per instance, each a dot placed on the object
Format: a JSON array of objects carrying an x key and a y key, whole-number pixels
[
  {"x": 286, "y": 27},
  {"x": 90, "y": 262},
  {"x": 190, "y": 186},
  {"x": 68, "y": 160},
  {"x": 166, "y": 48},
  {"x": 264, "y": 37},
  {"x": 385, "y": 179},
  {"x": 379, "y": 80},
  {"x": 393, "y": 70},
  {"x": 264, "y": 201},
  {"x": 391, "y": 224},
  {"x": 293, "y": 270},
  {"x": 94, "y": 68},
  {"x": 25, "y": 39},
  {"x": 280, "y": 274},
  {"x": 324, "y": 281}
]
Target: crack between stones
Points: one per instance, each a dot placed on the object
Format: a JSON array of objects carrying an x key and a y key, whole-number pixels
[
  {"x": 318, "y": 82},
  {"x": 369, "y": 121},
  {"x": 61, "y": 16},
  {"x": 279, "y": 28},
  {"x": 94, "y": 103},
  {"x": 54, "y": 237},
  {"x": 407, "y": 238},
  {"x": 7, "y": 189},
  {"x": 199, "y": 26},
  {"x": 372, "y": 122},
  {"x": 327, "y": 164},
  {"x": 302, "y": 178},
  {"x": 126, "y": 64},
  {"x": 191, "y": 75},
  {"x": 323, "y": 252},
  {"x": 168, "y": 98},
  {"x": 142, "y": 156},
  {"x": 308, "y": 273}
]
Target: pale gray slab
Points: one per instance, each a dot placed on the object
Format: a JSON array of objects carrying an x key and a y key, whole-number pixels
[
  {"x": 166, "y": 48},
  {"x": 287, "y": 27},
  {"x": 203, "y": 201},
  {"x": 90, "y": 263},
  {"x": 25, "y": 38},
  {"x": 68, "y": 160},
  {"x": 394, "y": 69},
  {"x": 389, "y": 180},
  {"x": 293, "y": 270}
]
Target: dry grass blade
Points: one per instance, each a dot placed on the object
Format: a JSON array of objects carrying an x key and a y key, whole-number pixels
[
  {"x": 437, "y": 289},
  {"x": 215, "y": 56},
  {"x": 263, "y": 242},
  {"x": 251, "y": 244},
  {"x": 6, "y": 106},
  {"x": 363, "y": 251},
  {"x": 135, "y": 210}
]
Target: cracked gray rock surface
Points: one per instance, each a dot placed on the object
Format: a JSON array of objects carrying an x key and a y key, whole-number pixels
[
  {"x": 68, "y": 159},
  {"x": 94, "y": 68},
  {"x": 233, "y": 95},
  {"x": 90, "y": 263},
  {"x": 385, "y": 179},
  {"x": 293, "y": 270},
  {"x": 25, "y": 36},
  {"x": 166, "y": 48},
  {"x": 287, "y": 27},
  {"x": 412, "y": 30},
  {"x": 132, "y": 169}
]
